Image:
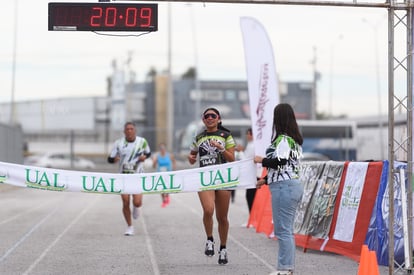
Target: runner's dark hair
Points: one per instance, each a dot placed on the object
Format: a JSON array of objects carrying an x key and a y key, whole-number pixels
[
  {"x": 129, "y": 123},
  {"x": 219, "y": 125}
]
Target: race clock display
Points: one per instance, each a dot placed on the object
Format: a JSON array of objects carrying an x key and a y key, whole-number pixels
[{"x": 103, "y": 16}]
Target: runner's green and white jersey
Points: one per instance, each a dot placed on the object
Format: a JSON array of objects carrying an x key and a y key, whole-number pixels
[
  {"x": 210, "y": 155},
  {"x": 129, "y": 152}
]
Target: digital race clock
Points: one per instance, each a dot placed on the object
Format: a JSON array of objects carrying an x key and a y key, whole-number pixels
[{"x": 103, "y": 17}]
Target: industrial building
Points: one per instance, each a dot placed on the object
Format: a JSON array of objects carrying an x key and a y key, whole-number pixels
[{"x": 89, "y": 125}]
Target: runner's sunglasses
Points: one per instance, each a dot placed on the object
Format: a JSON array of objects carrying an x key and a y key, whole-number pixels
[{"x": 213, "y": 116}]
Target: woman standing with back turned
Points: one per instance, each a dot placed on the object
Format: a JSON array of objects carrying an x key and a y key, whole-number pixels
[
  {"x": 215, "y": 145},
  {"x": 282, "y": 161}
]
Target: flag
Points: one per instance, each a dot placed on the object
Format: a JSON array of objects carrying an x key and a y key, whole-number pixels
[{"x": 262, "y": 81}]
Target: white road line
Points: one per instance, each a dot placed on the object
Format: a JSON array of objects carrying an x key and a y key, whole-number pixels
[
  {"x": 199, "y": 214},
  {"x": 271, "y": 268},
  {"x": 150, "y": 248},
  {"x": 41, "y": 256},
  {"x": 22, "y": 239},
  {"x": 25, "y": 213}
]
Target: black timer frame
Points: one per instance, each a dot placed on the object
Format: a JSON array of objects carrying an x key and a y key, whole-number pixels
[{"x": 103, "y": 16}]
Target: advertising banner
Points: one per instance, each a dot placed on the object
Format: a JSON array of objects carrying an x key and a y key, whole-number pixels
[
  {"x": 232, "y": 175},
  {"x": 262, "y": 81}
]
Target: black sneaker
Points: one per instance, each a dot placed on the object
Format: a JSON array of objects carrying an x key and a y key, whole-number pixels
[
  {"x": 223, "y": 256},
  {"x": 209, "y": 251}
]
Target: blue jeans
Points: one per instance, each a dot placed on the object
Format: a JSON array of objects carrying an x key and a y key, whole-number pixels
[{"x": 286, "y": 196}]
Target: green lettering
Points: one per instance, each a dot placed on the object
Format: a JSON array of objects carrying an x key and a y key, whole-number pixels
[
  {"x": 229, "y": 179},
  {"x": 44, "y": 179},
  {"x": 100, "y": 184},
  {"x": 144, "y": 187},
  {"x": 160, "y": 182},
  {"x": 202, "y": 179},
  {"x": 84, "y": 185},
  {"x": 218, "y": 177},
  {"x": 112, "y": 181},
  {"x": 172, "y": 183}
]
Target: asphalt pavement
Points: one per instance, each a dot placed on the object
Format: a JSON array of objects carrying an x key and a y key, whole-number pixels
[{"x": 47, "y": 232}]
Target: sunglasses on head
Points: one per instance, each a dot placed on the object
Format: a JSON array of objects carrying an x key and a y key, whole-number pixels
[{"x": 206, "y": 116}]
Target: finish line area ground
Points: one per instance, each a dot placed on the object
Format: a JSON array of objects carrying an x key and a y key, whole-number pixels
[{"x": 45, "y": 232}]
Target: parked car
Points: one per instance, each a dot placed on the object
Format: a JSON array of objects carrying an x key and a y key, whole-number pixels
[
  {"x": 59, "y": 160},
  {"x": 311, "y": 156}
]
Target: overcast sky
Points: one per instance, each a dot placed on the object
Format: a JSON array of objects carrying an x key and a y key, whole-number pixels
[{"x": 51, "y": 64}]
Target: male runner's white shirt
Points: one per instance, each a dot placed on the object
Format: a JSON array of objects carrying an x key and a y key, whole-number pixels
[{"x": 129, "y": 152}]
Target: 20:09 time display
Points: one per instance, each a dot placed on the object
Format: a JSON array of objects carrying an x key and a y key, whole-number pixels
[{"x": 102, "y": 17}]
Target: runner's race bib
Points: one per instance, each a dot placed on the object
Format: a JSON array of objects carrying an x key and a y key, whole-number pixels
[
  {"x": 209, "y": 160},
  {"x": 129, "y": 168}
]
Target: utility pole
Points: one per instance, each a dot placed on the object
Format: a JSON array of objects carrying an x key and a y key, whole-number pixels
[
  {"x": 12, "y": 101},
  {"x": 170, "y": 91},
  {"x": 315, "y": 79}
]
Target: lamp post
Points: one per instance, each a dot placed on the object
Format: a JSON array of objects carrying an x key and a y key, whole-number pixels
[
  {"x": 313, "y": 112},
  {"x": 196, "y": 66},
  {"x": 12, "y": 101},
  {"x": 378, "y": 83},
  {"x": 170, "y": 91}
]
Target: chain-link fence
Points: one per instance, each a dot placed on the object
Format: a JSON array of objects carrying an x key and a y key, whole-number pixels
[{"x": 12, "y": 145}]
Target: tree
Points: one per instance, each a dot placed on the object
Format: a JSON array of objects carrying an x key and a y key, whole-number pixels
[
  {"x": 151, "y": 73},
  {"x": 190, "y": 73}
]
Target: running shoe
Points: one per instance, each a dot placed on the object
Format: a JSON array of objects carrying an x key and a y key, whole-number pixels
[
  {"x": 209, "y": 251},
  {"x": 129, "y": 231},
  {"x": 135, "y": 213},
  {"x": 165, "y": 200},
  {"x": 223, "y": 257}
]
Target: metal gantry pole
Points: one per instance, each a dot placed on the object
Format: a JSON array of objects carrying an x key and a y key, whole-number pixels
[
  {"x": 410, "y": 134},
  {"x": 391, "y": 139},
  {"x": 400, "y": 18}
]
